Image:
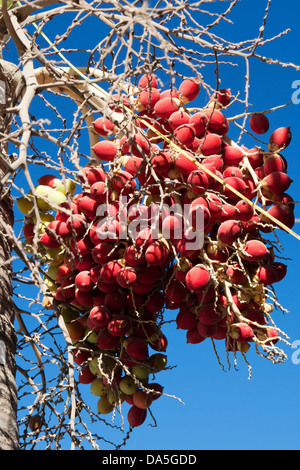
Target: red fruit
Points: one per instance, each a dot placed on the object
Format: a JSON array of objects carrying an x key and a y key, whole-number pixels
[
  {"x": 62, "y": 272},
  {"x": 66, "y": 210},
  {"x": 217, "y": 122},
  {"x": 267, "y": 274},
  {"x": 126, "y": 277},
  {"x": 77, "y": 224},
  {"x": 119, "y": 325},
  {"x": 198, "y": 180},
  {"x": 244, "y": 211},
  {"x": 48, "y": 180},
  {"x": 95, "y": 273},
  {"x": 237, "y": 184},
  {"x": 83, "y": 281},
  {"x": 274, "y": 163},
  {"x": 159, "y": 344},
  {"x": 199, "y": 122},
  {"x": 157, "y": 253},
  {"x": 165, "y": 107},
  {"x": 186, "y": 319},
  {"x": 142, "y": 399},
  {"x": 211, "y": 144},
  {"x": 254, "y": 250},
  {"x": 147, "y": 80},
  {"x": 133, "y": 257},
  {"x": 197, "y": 278},
  {"x": 81, "y": 246},
  {"x": 162, "y": 163},
  {"x": 184, "y": 164},
  {"x": 137, "y": 348},
  {"x": 45, "y": 239},
  {"x": 178, "y": 118},
  {"x": 80, "y": 356},
  {"x": 280, "y": 139},
  {"x": 89, "y": 175},
  {"x": 105, "y": 150},
  {"x": 104, "y": 127},
  {"x": 209, "y": 314},
  {"x": 218, "y": 253},
  {"x": 189, "y": 90},
  {"x": 173, "y": 226},
  {"x": 107, "y": 287},
  {"x": 241, "y": 332},
  {"x": 107, "y": 341},
  {"x": 280, "y": 212},
  {"x": 102, "y": 253},
  {"x": 136, "y": 416},
  {"x": 255, "y": 158},
  {"x": 99, "y": 316},
  {"x": 156, "y": 302},
  {"x": 256, "y": 316},
  {"x": 185, "y": 134},
  {"x": 84, "y": 299},
  {"x": 229, "y": 231},
  {"x": 88, "y": 205},
  {"x": 85, "y": 375},
  {"x": 148, "y": 274},
  {"x": 232, "y": 155},
  {"x": 224, "y": 96},
  {"x": 157, "y": 390},
  {"x": 176, "y": 291},
  {"x": 236, "y": 274},
  {"x": 193, "y": 336},
  {"x": 98, "y": 191},
  {"x": 123, "y": 182},
  {"x": 199, "y": 217},
  {"x": 206, "y": 331},
  {"x": 114, "y": 301},
  {"x": 109, "y": 271},
  {"x": 259, "y": 123},
  {"x": 57, "y": 228},
  {"x": 228, "y": 212},
  {"x": 281, "y": 270},
  {"x": 233, "y": 171},
  {"x": 148, "y": 98}
]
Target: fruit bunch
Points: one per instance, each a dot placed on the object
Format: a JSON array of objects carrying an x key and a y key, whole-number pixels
[{"x": 172, "y": 216}]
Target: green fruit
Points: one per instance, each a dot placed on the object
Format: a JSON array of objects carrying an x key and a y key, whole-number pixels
[
  {"x": 56, "y": 198},
  {"x": 43, "y": 191},
  {"x": 45, "y": 217},
  {"x": 115, "y": 397},
  {"x": 93, "y": 365},
  {"x": 128, "y": 386},
  {"x": 140, "y": 372},
  {"x": 103, "y": 406},
  {"x": 158, "y": 362},
  {"x": 51, "y": 272},
  {"x": 91, "y": 336},
  {"x": 97, "y": 388}
]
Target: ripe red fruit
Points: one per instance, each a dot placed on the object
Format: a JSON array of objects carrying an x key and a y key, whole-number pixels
[
  {"x": 185, "y": 135},
  {"x": 179, "y": 118},
  {"x": 236, "y": 274},
  {"x": 198, "y": 181},
  {"x": 211, "y": 144},
  {"x": 107, "y": 341},
  {"x": 104, "y": 127},
  {"x": 209, "y": 314},
  {"x": 165, "y": 107},
  {"x": 162, "y": 163},
  {"x": 232, "y": 155},
  {"x": 189, "y": 90},
  {"x": 77, "y": 224},
  {"x": 147, "y": 80},
  {"x": 199, "y": 122},
  {"x": 184, "y": 164},
  {"x": 197, "y": 278},
  {"x": 157, "y": 253},
  {"x": 176, "y": 291},
  {"x": 244, "y": 211},
  {"x": 83, "y": 281},
  {"x": 254, "y": 250},
  {"x": 45, "y": 239},
  {"x": 84, "y": 299},
  {"x": 242, "y": 332},
  {"x": 186, "y": 319},
  {"x": 148, "y": 98},
  {"x": 255, "y": 157},
  {"x": 142, "y": 399},
  {"x": 206, "y": 331},
  {"x": 267, "y": 274},
  {"x": 99, "y": 316},
  {"x": 259, "y": 123},
  {"x": 281, "y": 270},
  {"x": 193, "y": 336},
  {"x": 229, "y": 231},
  {"x": 157, "y": 390},
  {"x": 80, "y": 356},
  {"x": 119, "y": 325},
  {"x": 277, "y": 182},
  {"x": 137, "y": 348},
  {"x": 156, "y": 302},
  {"x": 109, "y": 271},
  {"x": 126, "y": 277},
  {"x": 114, "y": 301},
  {"x": 57, "y": 228},
  {"x": 232, "y": 171},
  {"x": 136, "y": 416},
  {"x": 217, "y": 122},
  {"x": 280, "y": 139},
  {"x": 274, "y": 163},
  {"x": 85, "y": 375},
  {"x": 224, "y": 96},
  {"x": 105, "y": 150},
  {"x": 88, "y": 204},
  {"x": 89, "y": 175}
]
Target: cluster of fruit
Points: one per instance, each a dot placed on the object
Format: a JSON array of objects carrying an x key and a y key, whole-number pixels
[{"x": 173, "y": 223}]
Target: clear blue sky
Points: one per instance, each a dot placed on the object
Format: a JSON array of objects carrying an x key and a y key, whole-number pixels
[{"x": 223, "y": 409}]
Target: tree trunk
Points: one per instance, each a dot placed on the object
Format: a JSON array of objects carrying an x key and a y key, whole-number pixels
[{"x": 9, "y": 437}]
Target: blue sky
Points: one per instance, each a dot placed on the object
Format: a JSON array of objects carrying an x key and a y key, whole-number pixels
[{"x": 223, "y": 409}]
